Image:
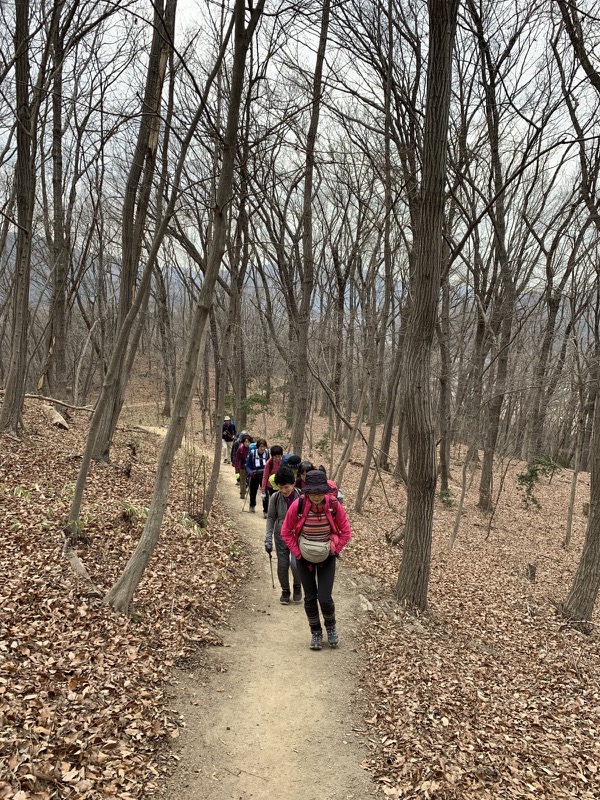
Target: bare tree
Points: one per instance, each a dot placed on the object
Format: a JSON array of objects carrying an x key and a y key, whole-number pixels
[
  {"x": 579, "y": 605},
  {"x": 121, "y": 594},
  {"x": 28, "y": 101},
  {"x": 413, "y": 578}
]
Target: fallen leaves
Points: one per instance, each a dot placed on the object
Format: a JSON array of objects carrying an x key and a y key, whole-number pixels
[
  {"x": 84, "y": 702},
  {"x": 488, "y": 694}
]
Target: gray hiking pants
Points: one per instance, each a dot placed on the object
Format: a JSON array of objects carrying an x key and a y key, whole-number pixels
[{"x": 285, "y": 561}]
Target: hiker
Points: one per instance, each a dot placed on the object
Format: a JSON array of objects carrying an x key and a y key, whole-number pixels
[
  {"x": 305, "y": 466},
  {"x": 316, "y": 529},
  {"x": 241, "y": 454},
  {"x": 271, "y": 467},
  {"x": 279, "y": 504},
  {"x": 289, "y": 460},
  {"x": 237, "y": 442},
  {"x": 255, "y": 466},
  {"x": 292, "y": 461},
  {"x": 227, "y": 436}
]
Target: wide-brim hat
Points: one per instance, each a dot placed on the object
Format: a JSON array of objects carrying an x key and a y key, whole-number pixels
[
  {"x": 316, "y": 483},
  {"x": 226, "y": 419}
]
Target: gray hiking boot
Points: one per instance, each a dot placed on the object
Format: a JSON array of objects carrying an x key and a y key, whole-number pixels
[
  {"x": 316, "y": 642},
  {"x": 332, "y": 636},
  {"x": 252, "y": 509},
  {"x": 297, "y": 594}
]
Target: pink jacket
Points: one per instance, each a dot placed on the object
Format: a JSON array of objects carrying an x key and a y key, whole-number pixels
[
  {"x": 338, "y": 522},
  {"x": 241, "y": 454}
]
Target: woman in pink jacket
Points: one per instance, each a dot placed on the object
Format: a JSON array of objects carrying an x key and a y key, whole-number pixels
[{"x": 316, "y": 529}]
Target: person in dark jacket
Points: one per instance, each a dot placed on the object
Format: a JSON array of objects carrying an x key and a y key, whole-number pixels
[
  {"x": 279, "y": 503},
  {"x": 255, "y": 467},
  {"x": 227, "y": 435}
]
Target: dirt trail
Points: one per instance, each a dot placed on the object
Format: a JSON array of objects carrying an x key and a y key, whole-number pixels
[{"x": 267, "y": 717}]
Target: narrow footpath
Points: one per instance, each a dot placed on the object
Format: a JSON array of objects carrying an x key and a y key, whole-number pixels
[{"x": 265, "y": 717}]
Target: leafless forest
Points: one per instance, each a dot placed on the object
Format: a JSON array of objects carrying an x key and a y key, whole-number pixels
[
  {"x": 384, "y": 213},
  {"x": 387, "y": 211}
]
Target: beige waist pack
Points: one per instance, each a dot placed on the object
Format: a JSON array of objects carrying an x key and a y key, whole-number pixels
[{"x": 313, "y": 551}]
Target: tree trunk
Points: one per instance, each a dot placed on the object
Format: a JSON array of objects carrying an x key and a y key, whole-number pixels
[
  {"x": 443, "y": 331},
  {"x": 303, "y": 322},
  {"x": 136, "y": 203},
  {"x": 14, "y": 390},
  {"x": 121, "y": 594},
  {"x": 56, "y": 365},
  {"x": 584, "y": 590},
  {"x": 413, "y": 578}
]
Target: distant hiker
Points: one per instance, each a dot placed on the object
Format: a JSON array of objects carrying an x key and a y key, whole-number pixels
[
  {"x": 305, "y": 466},
  {"x": 292, "y": 461},
  {"x": 271, "y": 468},
  {"x": 241, "y": 454},
  {"x": 316, "y": 529},
  {"x": 255, "y": 467},
  {"x": 227, "y": 436},
  {"x": 237, "y": 442},
  {"x": 279, "y": 504}
]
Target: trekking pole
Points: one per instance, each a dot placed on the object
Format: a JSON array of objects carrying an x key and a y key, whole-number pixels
[
  {"x": 271, "y": 563},
  {"x": 245, "y": 496}
]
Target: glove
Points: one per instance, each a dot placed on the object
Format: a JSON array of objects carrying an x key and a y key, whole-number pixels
[
  {"x": 268, "y": 548},
  {"x": 264, "y": 496}
]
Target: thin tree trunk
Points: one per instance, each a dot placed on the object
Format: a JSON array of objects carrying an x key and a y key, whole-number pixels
[
  {"x": 413, "y": 579},
  {"x": 136, "y": 203},
  {"x": 121, "y": 594},
  {"x": 303, "y": 322},
  {"x": 123, "y": 336},
  {"x": 14, "y": 390},
  {"x": 579, "y": 605},
  {"x": 443, "y": 330}
]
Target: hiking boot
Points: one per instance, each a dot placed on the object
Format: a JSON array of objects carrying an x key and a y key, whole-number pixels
[
  {"x": 297, "y": 594},
  {"x": 316, "y": 642},
  {"x": 332, "y": 636},
  {"x": 285, "y": 598},
  {"x": 252, "y": 509}
]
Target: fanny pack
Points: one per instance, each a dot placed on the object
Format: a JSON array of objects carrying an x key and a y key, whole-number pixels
[{"x": 315, "y": 552}]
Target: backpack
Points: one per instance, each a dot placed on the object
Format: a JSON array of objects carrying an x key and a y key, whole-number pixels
[
  {"x": 333, "y": 505},
  {"x": 291, "y": 460},
  {"x": 237, "y": 442},
  {"x": 337, "y": 492},
  {"x": 252, "y": 452}
]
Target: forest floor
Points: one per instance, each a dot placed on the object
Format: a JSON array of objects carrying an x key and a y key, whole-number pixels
[{"x": 209, "y": 686}]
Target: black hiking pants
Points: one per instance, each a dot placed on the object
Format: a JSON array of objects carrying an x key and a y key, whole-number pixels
[
  {"x": 255, "y": 482},
  {"x": 317, "y": 582}
]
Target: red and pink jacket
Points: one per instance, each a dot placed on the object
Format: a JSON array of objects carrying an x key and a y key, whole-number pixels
[{"x": 338, "y": 522}]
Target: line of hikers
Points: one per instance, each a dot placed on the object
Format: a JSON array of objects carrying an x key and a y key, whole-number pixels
[{"x": 306, "y": 519}]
